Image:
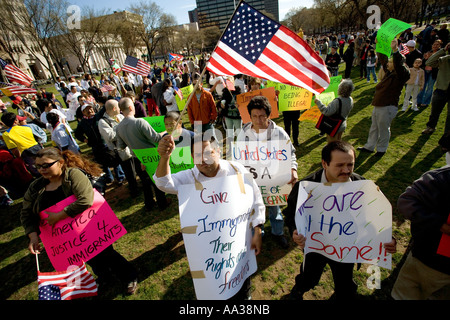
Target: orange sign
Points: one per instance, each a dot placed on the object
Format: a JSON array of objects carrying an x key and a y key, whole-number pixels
[{"x": 243, "y": 99}]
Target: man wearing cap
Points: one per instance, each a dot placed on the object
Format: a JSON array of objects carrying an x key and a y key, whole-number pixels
[
  {"x": 332, "y": 61},
  {"x": 413, "y": 53},
  {"x": 20, "y": 141}
]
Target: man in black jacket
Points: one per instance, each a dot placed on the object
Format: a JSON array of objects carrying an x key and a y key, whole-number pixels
[
  {"x": 425, "y": 275},
  {"x": 338, "y": 161}
]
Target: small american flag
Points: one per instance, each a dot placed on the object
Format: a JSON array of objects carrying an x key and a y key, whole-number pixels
[
  {"x": 259, "y": 47},
  {"x": 66, "y": 285},
  {"x": 14, "y": 74},
  {"x": 107, "y": 87},
  {"x": 11, "y": 90},
  {"x": 404, "y": 50},
  {"x": 136, "y": 66}
]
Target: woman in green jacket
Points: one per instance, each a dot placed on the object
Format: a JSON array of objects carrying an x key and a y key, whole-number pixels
[{"x": 65, "y": 174}]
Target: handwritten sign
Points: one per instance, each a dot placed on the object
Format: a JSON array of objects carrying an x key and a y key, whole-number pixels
[
  {"x": 180, "y": 159},
  {"x": 157, "y": 123},
  {"x": 215, "y": 223},
  {"x": 387, "y": 32},
  {"x": 185, "y": 92},
  {"x": 293, "y": 98},
  {"x": 243, "y": 99},
  {"x": 73, "y": 241},
  {"x": 311, "y": 115},
  {"x": 346, "y": 222},
  {"x": 333, "y": 87},
  {"x": 270, "y": 164}
]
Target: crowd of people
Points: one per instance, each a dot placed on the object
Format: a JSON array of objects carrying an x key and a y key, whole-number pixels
[{"x": 106, "y": 115}]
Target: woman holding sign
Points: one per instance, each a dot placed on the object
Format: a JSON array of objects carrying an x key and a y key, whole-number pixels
[{"x": 59, "y": 181}]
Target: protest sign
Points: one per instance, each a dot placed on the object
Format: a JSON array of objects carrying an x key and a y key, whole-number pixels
[
  {"x": 185, "y": 92},
  {"x": 311, "y": 115},
  {"x": 270, "y": 164},
  {"x": 215, "y": 223},
  {"x": 346, "y": 222},
  {"x": 387, "y": 32},
  {"x": 333, "y": 87},
  {"x": 73, "y": 241},
  {"x": 157, "y": 123},
  {"x": 292, "y": 98},
  {"x": 243, "y": 99},
  {"x": 180, "y": 159}
]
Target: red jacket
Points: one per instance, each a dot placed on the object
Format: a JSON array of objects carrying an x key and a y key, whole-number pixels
[{"x": 204, "y": 111}]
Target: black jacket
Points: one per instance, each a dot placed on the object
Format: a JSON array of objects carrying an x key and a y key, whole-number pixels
[{"x": 425, "y": 203}]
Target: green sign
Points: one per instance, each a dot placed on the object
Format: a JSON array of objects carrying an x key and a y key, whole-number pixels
[
  {"x": 185, "y": 91},
  {"x": 387, "y": 32},
  {"x": 180, "y": 159},
  {"x": 157, "y": 123},
  {"x": 333, "y": 87}
]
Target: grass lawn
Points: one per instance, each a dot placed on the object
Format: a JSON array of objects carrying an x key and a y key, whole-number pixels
[{"x": 154, "y": 243}]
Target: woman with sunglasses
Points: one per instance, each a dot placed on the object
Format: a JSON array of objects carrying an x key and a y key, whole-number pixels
[{"x": 61, "y": 178}]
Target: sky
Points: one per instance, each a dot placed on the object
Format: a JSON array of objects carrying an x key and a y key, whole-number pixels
[{"x": 179, "y": 8}]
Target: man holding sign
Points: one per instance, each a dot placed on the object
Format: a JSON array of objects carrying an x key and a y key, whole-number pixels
[
  {"x": 209, "y": 167},
  {"x": 338, "y": 160},
  {"x": 261, "y": 128}
]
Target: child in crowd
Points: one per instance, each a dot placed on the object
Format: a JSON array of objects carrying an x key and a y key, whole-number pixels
[
  {"x": 371, "y": 65},
  {"x": 414, "y": 84}
]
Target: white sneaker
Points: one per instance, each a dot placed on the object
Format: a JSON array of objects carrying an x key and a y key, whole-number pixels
[
  {"x": 415, "y": 108},
  {"x": 404, "y": 109}
]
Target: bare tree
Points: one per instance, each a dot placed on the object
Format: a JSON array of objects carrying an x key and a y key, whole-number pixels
[
  {"x": 154, "y": 23},
  {"x": 33, "y": 23}
]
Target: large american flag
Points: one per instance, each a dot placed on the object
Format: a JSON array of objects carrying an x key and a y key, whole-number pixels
[
  {"x": 259, "y": 47},
  {"x": 14, "y": 74},
  {"x": 136, "y": 66},
  {"x": 66, "y": 285}
]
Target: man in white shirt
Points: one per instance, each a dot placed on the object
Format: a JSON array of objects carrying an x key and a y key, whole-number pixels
[
  {"x": 72, "y": 100},
  {"x": 208, "y": 166}
]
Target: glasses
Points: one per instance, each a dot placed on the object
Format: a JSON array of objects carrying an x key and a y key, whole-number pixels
[{"x": 45, "y": 165}]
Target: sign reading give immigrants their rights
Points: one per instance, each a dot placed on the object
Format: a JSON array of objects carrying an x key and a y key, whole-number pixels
[
  {"x": 346, "y": 222},
  {"x": 269, "y": 162},
  {"x": 73, "y": 241},
  {"x": 215, "y": 223}
]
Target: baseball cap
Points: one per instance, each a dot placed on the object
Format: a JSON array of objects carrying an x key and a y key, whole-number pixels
[
  {"x": 84, "y": 106},
  {"x": 411, "y": 43}
]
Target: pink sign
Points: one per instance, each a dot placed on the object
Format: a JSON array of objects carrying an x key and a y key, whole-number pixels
[{"x": 74, "y": 240}]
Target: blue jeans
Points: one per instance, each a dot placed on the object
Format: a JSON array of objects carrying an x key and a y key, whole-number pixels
[
  {"x": 276, "y": 220},
  {"x": 120, "y": 175},
  {"x": 425, "y": 95},
  {"x": 371, "y": 70}
]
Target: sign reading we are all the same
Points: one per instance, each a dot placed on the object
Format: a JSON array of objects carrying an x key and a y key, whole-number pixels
[{"x": 346, "y": 222}]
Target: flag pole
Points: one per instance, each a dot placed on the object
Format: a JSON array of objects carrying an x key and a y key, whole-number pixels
[{"x": 204, "y": 69}]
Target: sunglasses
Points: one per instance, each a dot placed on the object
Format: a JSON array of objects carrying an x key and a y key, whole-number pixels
[{"x": 45, "y": 165}]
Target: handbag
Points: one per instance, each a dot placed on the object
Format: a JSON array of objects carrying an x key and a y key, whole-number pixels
[{"x": 331, "y": 124}]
